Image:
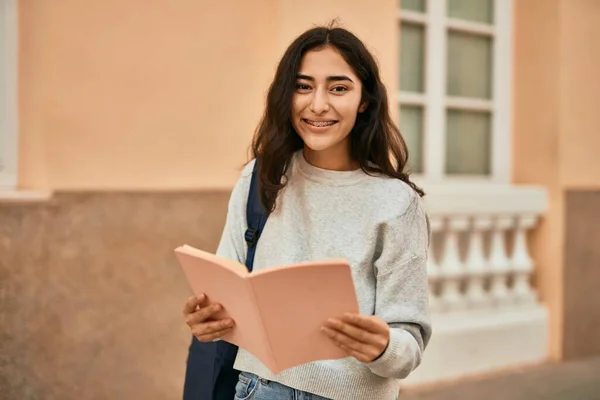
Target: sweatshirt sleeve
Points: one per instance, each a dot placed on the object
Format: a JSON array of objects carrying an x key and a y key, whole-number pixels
[
  {"x": 402, "y": 291},
  {"x": 232, "y": 245}
]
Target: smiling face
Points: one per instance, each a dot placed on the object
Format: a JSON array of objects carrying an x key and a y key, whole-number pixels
[{"x": 324, "y": 108}]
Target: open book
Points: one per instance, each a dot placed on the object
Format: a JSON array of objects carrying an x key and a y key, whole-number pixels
[{"x": 278, "y": 312}]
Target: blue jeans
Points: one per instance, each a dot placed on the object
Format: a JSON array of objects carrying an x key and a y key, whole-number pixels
[{"x": 251, "y": 387}]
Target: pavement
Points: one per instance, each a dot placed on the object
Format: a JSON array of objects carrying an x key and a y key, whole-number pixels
[{"x": 575, "y": 380}]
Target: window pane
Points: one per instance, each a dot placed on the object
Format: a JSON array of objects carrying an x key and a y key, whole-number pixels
[
  {"x": 469, "y": 65},
  {"x": 413, "y": 5},
  {"x": 412, "y": 47},
  {"x": 411, "y": 128},
  {"x": 472, "y": 10},
  {"x": 468, "y": 142}
]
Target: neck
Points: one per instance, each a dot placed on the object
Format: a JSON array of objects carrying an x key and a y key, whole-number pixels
[{"x": 331, "y": 159}]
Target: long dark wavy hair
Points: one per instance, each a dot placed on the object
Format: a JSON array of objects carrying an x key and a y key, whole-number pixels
[{"x": 375, "y": 141}]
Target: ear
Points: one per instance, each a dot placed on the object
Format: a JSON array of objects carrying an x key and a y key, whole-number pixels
[{"x": 363, "y": 107}]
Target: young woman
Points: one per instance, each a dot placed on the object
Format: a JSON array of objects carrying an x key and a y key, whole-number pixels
[{"x": 332, "y": 174}]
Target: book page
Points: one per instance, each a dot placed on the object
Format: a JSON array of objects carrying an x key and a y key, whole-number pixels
[
  {"x": 294, "y": 302},
  {"x": 222, "y": 283}
]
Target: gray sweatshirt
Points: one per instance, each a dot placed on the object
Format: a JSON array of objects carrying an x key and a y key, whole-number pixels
[{"x": 376, "y": 223}]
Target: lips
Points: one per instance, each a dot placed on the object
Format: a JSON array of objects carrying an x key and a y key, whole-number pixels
[{"x": 319, "y": 124}]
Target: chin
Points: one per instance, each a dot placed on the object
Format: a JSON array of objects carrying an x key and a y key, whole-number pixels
[{"x": 316, "y": 145}]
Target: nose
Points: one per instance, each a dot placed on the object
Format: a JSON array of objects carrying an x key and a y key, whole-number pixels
[{"x": 319, "y": 103}]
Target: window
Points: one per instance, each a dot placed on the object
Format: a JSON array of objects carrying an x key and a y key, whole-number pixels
[
  {"x": 8, "y": 94},
  {"x": 455, "y": 79}
]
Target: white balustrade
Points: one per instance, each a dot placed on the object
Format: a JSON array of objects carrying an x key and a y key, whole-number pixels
[
  {"x": 487, "y": 276},
  {"x": 481, "y": 279},
  {"x": 484, "y": 311}
]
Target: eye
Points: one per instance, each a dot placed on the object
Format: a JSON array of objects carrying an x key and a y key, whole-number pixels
[
  {"x": 339, "y": 89},
  {"x": 302, "y": 86}
]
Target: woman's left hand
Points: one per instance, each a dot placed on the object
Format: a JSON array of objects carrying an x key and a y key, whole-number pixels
[{"x": 362, "y": 337}]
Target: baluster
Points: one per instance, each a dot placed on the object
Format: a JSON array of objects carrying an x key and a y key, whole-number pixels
[
  {"x": 433, "y": 270},
  {"x": 522, "y": 263},
  {"x": 476, "y": 265},
  {"x": 451, "y": 267},
  {"x": 433, "y": 278},
  {"x": 499, "y": 262}
]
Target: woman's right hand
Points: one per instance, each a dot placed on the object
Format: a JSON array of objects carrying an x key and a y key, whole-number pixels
[{"x": 198, "y": 313}]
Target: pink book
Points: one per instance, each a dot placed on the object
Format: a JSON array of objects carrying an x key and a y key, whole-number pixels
[{"x": 278, "y": 312}]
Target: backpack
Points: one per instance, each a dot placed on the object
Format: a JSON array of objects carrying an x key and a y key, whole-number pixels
[{"x": 209, "y": 371}]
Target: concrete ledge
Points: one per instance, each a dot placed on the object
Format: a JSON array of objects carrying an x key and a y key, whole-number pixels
[
  {"x": 23, "y": 196},
  {"x": 475, "y": 342}
]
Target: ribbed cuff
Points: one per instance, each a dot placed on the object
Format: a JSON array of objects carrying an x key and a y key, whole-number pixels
[{"x": 400, "y": 358}]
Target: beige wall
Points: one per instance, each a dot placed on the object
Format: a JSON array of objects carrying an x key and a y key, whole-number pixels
[
  {"x": 580, "y": 93},
  {"x": 124, "y": 95},
  {"x": 131, "y": 96},
  {"x": 127, "y": 95},
  {"x": 536, "y": 141},
  {"x": 557, "y": 124},
  {"x": 91, "y": 293}
]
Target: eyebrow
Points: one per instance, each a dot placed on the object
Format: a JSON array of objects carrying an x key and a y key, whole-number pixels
[{"x": 333, "y": 78}]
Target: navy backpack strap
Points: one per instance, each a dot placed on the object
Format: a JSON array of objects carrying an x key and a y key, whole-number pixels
[
  {"x": 210, "y": 374},
  {"x": 256, "y": 217}
]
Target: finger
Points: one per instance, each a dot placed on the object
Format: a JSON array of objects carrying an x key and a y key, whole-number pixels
[
  {"x": 359, "y": 334},
  {"x": 192, "y": 303},
  {"x": 202, "y": 314},
  {"x": 215, "y": 335},
  {"x": 360, "y": 351},
  {"x": 341, "y": 339},
  {"x": 211, "y": 327},
  {"x": 359, "y": 356},
  {"x": 366, "y": 322}
]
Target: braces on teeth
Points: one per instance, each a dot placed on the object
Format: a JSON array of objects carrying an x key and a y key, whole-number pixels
[{"x": 321, "y": 123}]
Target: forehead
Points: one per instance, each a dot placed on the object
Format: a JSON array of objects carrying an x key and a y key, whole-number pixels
[{"x": 325, "y": 62}]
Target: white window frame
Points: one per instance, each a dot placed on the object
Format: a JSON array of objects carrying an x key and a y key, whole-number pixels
[
  {"x": 9, "y": 113},
  {"x": 435, "y": 102}
]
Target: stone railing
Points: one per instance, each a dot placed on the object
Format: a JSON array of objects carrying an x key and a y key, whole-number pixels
[
  {"x": 479, "y": 256},
  {"x": 480, "y": 271}
]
